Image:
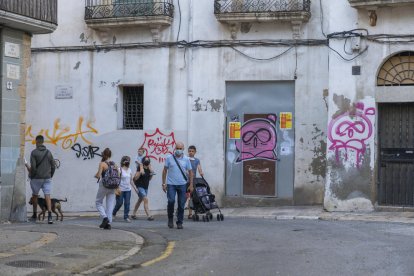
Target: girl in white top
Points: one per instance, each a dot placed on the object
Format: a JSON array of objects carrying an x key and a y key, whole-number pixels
[{"x": 125, "y": 187}]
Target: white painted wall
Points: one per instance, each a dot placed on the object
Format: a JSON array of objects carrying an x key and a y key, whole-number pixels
[
  {"x": 349, "y": 187},
  {"x": 171, "y": 85}
]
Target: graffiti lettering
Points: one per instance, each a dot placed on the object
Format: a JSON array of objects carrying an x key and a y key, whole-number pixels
[
  {"x": 158, "y": 145},
  {"x": 259, "y": 139},
  {"x": 87, "y": 152},
  {"x": 59, "y": 133},
  {"x": 350, "y": 132}
]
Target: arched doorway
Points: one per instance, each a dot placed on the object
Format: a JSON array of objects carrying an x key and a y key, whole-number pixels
[{"x": 396, "y": 134}]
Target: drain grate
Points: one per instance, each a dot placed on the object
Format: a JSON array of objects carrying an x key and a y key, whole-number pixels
[
  {"x": 30, "y": 264},
  {"x": 71, "y": 255}
]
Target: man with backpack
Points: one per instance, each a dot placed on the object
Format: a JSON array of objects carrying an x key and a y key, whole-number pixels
[{"x": 42, "y": 168}]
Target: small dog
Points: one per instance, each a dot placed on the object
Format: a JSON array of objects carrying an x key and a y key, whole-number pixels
[{"x": 41, "y": 202}]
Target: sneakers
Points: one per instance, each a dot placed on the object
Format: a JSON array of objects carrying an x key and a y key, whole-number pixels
[
  {"x": 170, "y": 223},
  {"x": 107, "y": 226},
  {"x": 49, "y": 218},
  {"x": 179, "y": 226},
  {"x": 104, "y": 223},
  {"x": 134, "y": 217},
  {"x": 127, "y": 220},
  {"x": 150, "y": 218}
]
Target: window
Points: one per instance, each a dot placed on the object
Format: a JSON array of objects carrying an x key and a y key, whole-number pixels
[
  {"x": 133, "y": 107},
  {"x": 398, "y": 70}
]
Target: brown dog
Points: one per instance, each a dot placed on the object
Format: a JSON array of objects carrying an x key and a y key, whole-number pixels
[{"x": 41, "y": 202}]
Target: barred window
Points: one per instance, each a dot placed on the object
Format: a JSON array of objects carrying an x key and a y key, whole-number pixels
[{"x": 133, "y": 107}]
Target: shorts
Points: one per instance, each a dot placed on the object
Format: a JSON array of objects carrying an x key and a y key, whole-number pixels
[
  {"x": 44, "y": 184},
  {"x": 142, "y": 192}
]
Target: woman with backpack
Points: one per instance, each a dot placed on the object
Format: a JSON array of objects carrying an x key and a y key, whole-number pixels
[
  {"x": 125, "y": 187},
  {"x": 106, "y": 213}
]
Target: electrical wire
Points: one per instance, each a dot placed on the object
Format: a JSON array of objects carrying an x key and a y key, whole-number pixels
[
  {"x": 262, "y": 59},
  {"x": 179, "y": 21}
]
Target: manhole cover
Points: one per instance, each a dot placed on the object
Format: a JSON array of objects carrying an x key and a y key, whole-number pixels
[
  {"x": 71, "y": 255},
  {"x": 30, "y": 264}
]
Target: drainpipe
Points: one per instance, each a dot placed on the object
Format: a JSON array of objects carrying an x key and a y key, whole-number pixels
[{"x": 189, "y": 61}]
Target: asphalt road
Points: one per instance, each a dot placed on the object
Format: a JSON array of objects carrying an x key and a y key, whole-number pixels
[{"x": 241, "y": 246}]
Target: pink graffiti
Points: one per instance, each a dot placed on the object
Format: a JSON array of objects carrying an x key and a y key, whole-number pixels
[
  {"x": 258, "y": 139},
  {"x": 158, "y": 145},
  {"x": 350, "y": 131}
]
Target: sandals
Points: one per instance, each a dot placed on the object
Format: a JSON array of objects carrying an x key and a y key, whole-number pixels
[
  {"x": 190, "y": 216},
  {"x": 134, "y": 217},
  {"x": 150, "y": 218}
]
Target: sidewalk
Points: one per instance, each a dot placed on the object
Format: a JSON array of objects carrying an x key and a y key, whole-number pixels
[
  {"x": 81, "y": 248},
  {"x": 294, "y": 212}
]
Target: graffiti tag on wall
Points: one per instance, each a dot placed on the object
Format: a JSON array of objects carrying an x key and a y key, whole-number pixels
[
  {"x": 258, "y": 139},
  {"x": 158, "y": 145},
  {"x": 87, "y": 152},
  {"x": 350, "y": 132},
  {"x": 63, "y": 135}
]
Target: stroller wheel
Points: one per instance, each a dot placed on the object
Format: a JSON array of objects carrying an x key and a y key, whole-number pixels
[
  {"x": 197, "y": 217},
  {"x": 210, "y": 216},
  {"x": 218, "y": 217},
  {"x": 204, "y": 218},
  {"x": 221, "y": 217},
  {"x": 207, "y": 219}
]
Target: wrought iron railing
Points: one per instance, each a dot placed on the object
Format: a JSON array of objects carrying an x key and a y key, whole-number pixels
[
  {"x": 95, "y": 9},
  {"x": 44, "y": 10},
  {"x": 260, "y": 6}
]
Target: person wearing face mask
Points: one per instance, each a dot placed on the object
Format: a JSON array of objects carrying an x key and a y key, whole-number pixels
[
  {"x": 141, "y": 179},
  {"x": 125, "y": 187},
  {"x": 178, "y": 169}
]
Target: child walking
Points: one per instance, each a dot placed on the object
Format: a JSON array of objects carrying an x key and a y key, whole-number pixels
[
  {"x": 196, "y": 166},
  {"x": 142, "y": 178}
]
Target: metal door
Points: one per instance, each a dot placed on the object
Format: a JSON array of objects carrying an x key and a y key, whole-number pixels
[
  {"x": 260, "y": 108},
  {"x": 396, "y": 141},
  {"x": 259, "y": 175}
]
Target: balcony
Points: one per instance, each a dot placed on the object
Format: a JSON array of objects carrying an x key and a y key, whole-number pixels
[
  {"x": 34, "y": 16},
  {"x": 104, "y": 14},
  {"x": 236, "y": 12},
  {"x": 373, "y": 4}
]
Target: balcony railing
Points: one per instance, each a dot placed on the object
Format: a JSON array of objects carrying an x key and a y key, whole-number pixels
[
  {"x": 261, "y": 6},
  {"x": 366, "y": 4},
  {"x": 43, "y": 10},
  {"x": 118, "y": 9}
]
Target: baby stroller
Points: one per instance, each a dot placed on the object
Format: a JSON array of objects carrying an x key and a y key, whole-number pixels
[{"x": 202, "y": 201}]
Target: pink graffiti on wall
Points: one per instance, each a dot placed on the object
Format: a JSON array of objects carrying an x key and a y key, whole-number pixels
[
  {"x": 258, "y": 139},
  {"x": 158, "y": 145},
  {"x": 350, "y": 131}
]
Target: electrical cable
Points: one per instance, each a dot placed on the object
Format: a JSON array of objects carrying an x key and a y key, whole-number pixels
[
  {"x": 261, "y": 59},
  {"x": 179, "y": 21}
]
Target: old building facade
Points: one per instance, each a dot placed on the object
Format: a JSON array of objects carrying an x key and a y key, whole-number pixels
[
  {"x": 288, "y": 102},
  {"x": 19, "y": 21}
]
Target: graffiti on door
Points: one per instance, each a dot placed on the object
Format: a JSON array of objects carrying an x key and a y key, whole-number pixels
[
  {"x": 349, "y": 132},
  {"x": 258, "y": 139}
]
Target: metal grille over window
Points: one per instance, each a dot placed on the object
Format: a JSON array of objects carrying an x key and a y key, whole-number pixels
[
  {"x": 397, "y": 70},
  {"x": 133, "y": 107}
]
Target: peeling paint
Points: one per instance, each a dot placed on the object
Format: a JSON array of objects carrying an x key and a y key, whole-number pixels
[
  {"x": 343, "y": 104},
  {"x": 245, "y": 27},
  {"x": 318, "y": 164},
  {"x": 77, "y": 65},
  {"x": 214, "y": 105},
  {"x": 325, "y": 95},
  {"x": 351, "y": 182}
]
